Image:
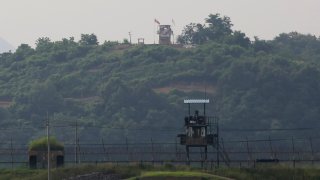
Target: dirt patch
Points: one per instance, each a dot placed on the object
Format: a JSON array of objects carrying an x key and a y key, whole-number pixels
[
  {"x": 172, "y": 178},
  {"x": 96, "y": 176},
  {"x": 200, "y": 87},
  {"x": 84, "y": 99},
  {"x": 5, "y": 104},
  {"x": 94, "y": 70}
]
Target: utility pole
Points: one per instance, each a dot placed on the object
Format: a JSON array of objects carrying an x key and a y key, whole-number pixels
[{"x": 48, "y": 142}]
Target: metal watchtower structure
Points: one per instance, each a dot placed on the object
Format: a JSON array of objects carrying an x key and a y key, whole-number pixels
[
  {"x": 200, "y": 130},
  {"x": 165, "y": 33}
]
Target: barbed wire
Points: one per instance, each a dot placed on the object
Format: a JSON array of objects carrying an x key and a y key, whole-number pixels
[{"x": 161, "y": 128}]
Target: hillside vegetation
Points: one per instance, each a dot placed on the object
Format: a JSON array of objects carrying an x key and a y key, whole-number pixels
[{"x": 119, "y": 87}]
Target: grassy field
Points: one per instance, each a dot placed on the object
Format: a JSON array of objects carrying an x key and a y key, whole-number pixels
[
  {"x": 169, "y": 172},
  {"x": 269, "y": 173},
  {"x": 176, "y": 175}
]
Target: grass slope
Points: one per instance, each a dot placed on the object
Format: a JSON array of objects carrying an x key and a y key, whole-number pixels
[{"x": 146, "y": 172}]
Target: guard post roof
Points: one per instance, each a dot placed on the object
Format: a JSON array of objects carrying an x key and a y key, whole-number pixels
[{"x": 196, "y": 101}]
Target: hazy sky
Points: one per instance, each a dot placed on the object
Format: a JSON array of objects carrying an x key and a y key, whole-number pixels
[{"x": 24, "y": 21}]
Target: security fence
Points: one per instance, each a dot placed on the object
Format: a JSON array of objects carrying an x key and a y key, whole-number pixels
[{"x": 235, "y": 153}]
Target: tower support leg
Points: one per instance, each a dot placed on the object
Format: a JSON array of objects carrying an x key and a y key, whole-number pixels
[
  {"x": 205, "y": 153},
  {"x": 188, "y": 157}
]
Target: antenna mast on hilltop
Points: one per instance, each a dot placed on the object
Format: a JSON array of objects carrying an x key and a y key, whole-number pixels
[
  {"x": 155, "y": 31},
  {"x": 130, "y": 37},
  {"x": 173, "y": 25}
]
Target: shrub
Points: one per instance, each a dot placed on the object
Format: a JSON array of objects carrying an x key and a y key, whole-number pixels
[{"x": 42, "y": 145}]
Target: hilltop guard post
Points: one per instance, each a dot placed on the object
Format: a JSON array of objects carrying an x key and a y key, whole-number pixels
[
  {"x": 165, "y": 33},
  {"x": 201, "y": 130}
]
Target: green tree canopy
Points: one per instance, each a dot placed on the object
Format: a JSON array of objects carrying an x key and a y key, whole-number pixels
[
  {"x": 215, "y": 29},
  {"x": 44, "y": 44},
  {"x": 88, "y": 39}
]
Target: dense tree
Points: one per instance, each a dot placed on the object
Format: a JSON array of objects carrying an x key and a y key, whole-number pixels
[
  {"x": 294, "y": 43},
  {"x": 238, "y": 38},
  {"x": 88, "y": 39},
  {"x": 44, "y": 44},
  {"x": 193, "y": 34},
  {"x": 23, "y": 51},
  {"x": 261, "y": 45},
  {"x": 218, "y": 27},
  {"x": 215, "y": 29}
]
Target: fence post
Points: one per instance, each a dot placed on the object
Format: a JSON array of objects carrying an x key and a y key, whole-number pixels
[
  {"x": 201, "y": 159},
  {"x": 271, "y": 149},
  {"x": 176, "y": 147},
  {"x": 249, "y": 153},
  {"x": 311, "y": 146},
  {"x": 293, "y": 154},
  {"x": 76, "y": 143},
  {"x": 104, "y": 150},
  {"x": 11, "y": 146},
  {"x": 127, "y": 147},
  {"x": 152, "y": 151},
  {"x": 218, "y": 145},
  {"x": 79, "y": 152}
]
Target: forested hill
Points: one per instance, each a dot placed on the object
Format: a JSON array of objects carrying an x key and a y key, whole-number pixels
[{"x": 116, "y": 90}]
